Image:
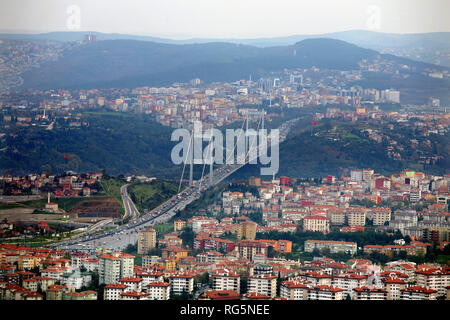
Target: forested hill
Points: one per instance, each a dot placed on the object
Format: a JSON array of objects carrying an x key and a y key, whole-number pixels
[
  {"x": 119, "y": 143},
  {"x": 131, "y": 63}
]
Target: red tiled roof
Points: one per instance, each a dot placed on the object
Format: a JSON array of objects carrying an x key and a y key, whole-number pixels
[
  {"x": 158, "y": 284},
  {"x": 116, "y": 286}
]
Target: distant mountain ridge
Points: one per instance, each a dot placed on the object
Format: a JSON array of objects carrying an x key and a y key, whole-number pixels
[
  {"x": 131, "y": 63},
  {"x": 419, "y": 46}
]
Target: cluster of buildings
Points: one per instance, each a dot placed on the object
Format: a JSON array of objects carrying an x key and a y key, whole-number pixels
[
  {"x": 288, "y": 206},
  {"x": 395, "y": 129},
  {"x": 37, "y": 274},
  {"x": 67, "y": 185}
]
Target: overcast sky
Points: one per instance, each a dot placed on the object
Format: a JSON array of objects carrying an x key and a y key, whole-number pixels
[{"x": 180, "y": 19}]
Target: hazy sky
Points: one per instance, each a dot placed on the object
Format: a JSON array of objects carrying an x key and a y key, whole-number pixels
[{"x": 224, "y": 18}]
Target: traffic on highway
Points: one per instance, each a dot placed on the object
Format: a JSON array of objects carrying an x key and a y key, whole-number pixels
[{"x": 121, "y": 236}]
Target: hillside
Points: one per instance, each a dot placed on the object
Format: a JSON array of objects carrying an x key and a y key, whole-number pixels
[
  {"x": 425, "y": 47},
  {"x": 130, "y": 63},
  {"x": 119, "y": 143},
  {"x": 335, "y": 147}
]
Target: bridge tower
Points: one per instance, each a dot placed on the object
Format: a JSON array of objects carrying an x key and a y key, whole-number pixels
[
  {"x": 262, "y": 120},
  {"x": 191, "y": 160}
]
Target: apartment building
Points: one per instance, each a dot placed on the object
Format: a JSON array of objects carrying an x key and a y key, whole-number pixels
[
  {"x": 179, "y": 225},
  {"x": 325, "y": 292},
  {"x": 434, "y": 278},
  {"x": 224, "y": 279},
  {"x": 149, "y": 277},
  {"x": 393, "y": 286},
  {"x": 418, "y": 293},
  {"x": 380, "y": 216},
  {"x": 369, "y": 293},
  {"x": 245, "y": 230},
  {"x": 132, "y": 283},
  {"x": 337, "y": 216},
  {"x": 146, "y": 240},
  {"x": 293, "y": 290},
  {"x": 133, "y": 296},
  {"x": 181, "y": 283},
  {"x": 113, "y": 291},
  {"x": 334, "y": 246},
  {"x": 158, "y": 290},
  {"x": 348, "y": 281},
  {"x": 248, "y": 249},
  {"x": 316, "y": 223},
  {"x": 356, "y": 217},
  {"x": 113, "y": 267},
  {"x": 264, "y": 284}
]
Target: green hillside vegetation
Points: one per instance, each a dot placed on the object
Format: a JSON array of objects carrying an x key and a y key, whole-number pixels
[
  {"x": 334, "y": 147},
  {"x": 119, "y": 143},
  {"x": 131, "y": 63},
  {"x": 151, "y": 194}
]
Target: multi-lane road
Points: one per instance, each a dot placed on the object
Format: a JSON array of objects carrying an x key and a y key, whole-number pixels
[
  {"x": 131, "y": 211},
  {"x": 123, "y": 235}
]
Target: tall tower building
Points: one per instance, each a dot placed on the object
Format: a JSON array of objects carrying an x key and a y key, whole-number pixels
[{"x": 146, "y": 240}]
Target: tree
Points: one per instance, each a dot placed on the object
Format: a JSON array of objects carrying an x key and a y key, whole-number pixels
[
  {"x": 316, "y": 252},
  {"x": 131, "y": 248},
  {"x": 204, "y": 278},
  {"x": 188, "y": 237},
  {"x": 244, "y": 284}
]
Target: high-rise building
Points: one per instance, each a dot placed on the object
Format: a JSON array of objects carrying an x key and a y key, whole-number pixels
[
  {"x": 247, "y": 249},
  {"x": 246, "y": 230},
  {"x": 115, "y": 266},
  {"x": 90, "y": 38},
  {"x": 146, "y": 240},
  {"x": 390, "y": 95},
  {"x": 356, "y": 175}
]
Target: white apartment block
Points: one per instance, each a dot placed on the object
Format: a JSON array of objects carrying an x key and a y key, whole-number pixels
[
  {"x": 263, "y": 284},
  {"x": 293, "y": 290},
  {"x": 418, "y": 293},
  {"x": 149, "y": 277},
  {"x": 158, "y": 290},
  {"x": 132, "y": 295},
  {"x": 113, "y": 267},
  {"x": 114, "y": 291},
  {"x": 369, "y": 293},
  {"x": 325, "y": 293},
  {"x": 348, "y": 281},
  {"x": 334, "y": 246},
  {"x": 393, "y": 286},
  {"x": 181, "y": 283},
  {"x": 226, "y": 280},
  {"x": 434, "y": 278},
  {"x": 133, "y": 284}
]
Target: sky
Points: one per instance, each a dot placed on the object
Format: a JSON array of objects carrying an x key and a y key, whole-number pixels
[{"x": 182, "y": 19}]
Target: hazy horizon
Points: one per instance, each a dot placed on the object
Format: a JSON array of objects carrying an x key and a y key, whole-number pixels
[
  {"x": 30, "y": 32},
  {"x": 180, "y": 19}
]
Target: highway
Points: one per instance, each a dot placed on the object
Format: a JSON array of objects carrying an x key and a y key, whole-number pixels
[
  {"x": 131, "y": 211},
  {"x": 123, "y": 235}
]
